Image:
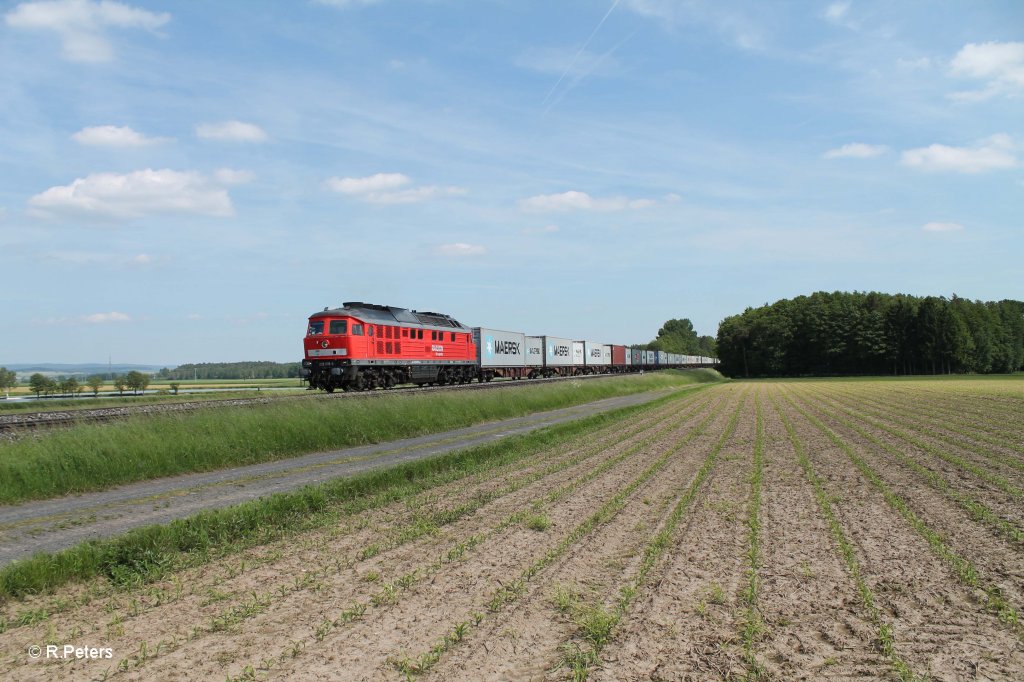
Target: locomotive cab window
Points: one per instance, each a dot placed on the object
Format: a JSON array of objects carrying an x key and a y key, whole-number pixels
[
  {"x": 315, "y": 328},
  {"x": 357, "y": 330},
  {"x": 338, "y": 327}
]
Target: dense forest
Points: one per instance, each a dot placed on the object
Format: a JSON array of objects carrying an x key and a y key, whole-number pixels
[
  {"x": 872, "y": 333},
  {"x": 232, "y": 370},
  {"x": 678, "y": 336}
]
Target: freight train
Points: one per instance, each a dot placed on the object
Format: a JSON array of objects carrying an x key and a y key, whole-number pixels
[{"x": 361, "y": 346}]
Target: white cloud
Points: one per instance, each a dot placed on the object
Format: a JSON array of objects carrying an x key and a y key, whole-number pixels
[
  {"x": 856, "y": 150},
  {"x": 134, "y": 195},
  {"x": 81, "y": 24},
  {"x": 460, "y": 249},
  {"x": 1000, "y": 65},
  {"x": 373, "y": 183},
  {"x": 103, "y": 318},
  {"x": 547, "y": 229},
  {"x": 231, "y": 176},
  {"x": 236, "y": 131},
  {"x": 837, "y": 11},
  {"x": 581, "y": 201},
  {"x": 384, "y": 188},
  {"x": 91, "y": 258},
  {"x": 994, "y": 153},
  {"x": 942, "y": 227},
  {"x": 114, "y": 136}
]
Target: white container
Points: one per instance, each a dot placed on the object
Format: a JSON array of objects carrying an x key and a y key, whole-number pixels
[
  {"x": 495, "y": 348},
  {"x": 596, "y": 354},
  {"x": 578, "y": 354},
  {"x": 557, "y": 352},
  {"x": 534, "y": 351}
]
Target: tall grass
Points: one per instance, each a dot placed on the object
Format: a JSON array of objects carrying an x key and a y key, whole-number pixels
[{"x": 97, "y": 456}]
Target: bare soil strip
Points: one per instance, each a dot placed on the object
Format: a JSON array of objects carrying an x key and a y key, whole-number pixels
[
  {"x": 939, "y": 624},
  {"x": 686, "y": 618},
  {"x": 1000, "y": 458}
]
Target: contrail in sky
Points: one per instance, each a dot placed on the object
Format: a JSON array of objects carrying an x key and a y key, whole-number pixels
[{"x": 573, "y": 62}]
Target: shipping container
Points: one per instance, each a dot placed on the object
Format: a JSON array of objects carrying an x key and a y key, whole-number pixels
[
  {"x": 557, "y": 352},
  {"x": 597, "y": 354},
  {"x": 638, "y": 356},
  {"x": 662, "y": 358},
  {"x": 578, "y": 354},
  {"x": 495, "y": 348},
  {"x": 534, "y": 351},
  {"x": 618, "y": 356}
]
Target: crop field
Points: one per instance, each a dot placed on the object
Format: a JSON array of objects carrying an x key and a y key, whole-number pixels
[{"x": 744, "y": 530}]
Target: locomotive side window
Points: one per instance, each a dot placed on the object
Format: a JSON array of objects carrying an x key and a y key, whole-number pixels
[
  {"x": 357, "y": 329},
  {"x": 338, "y": 327},
  {"x": 405, "y": 333},
  {"x": 369, "y": 330},
  {"x": 419, "y": 333},
  {"x": 453, "y": 337},
  {"x": 316, "y": 327}
]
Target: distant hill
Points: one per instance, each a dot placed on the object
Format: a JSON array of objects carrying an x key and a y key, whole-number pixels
[{"x": 75, "y": 370}]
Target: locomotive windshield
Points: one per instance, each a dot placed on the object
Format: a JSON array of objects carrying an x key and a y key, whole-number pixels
[
  {"x": 316, "y": 327},
  {"x": 338, "y": 327}
]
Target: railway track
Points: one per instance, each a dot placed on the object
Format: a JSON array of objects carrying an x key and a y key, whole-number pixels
[{"x": 13, "y": 425}]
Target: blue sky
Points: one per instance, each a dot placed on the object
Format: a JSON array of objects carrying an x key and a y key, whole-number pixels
[{"x": 186, "y": 182}]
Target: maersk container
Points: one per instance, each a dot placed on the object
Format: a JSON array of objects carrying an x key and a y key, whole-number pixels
[
  {"x": 557, "y": 352},
  {"x": 662, "y": 357},
  {"x": 606, "y": 353},
  {"x": 649, "y": 357},
  {"x": 618, "y": 355},
  {"x": 578, "y": 354},
  {"x": 534, "y": 351},
  {"x": 495, "y": 348}
]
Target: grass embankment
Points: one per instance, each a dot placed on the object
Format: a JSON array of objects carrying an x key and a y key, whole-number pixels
[
  {"x": 128, "y": 400},
  {"x": 97, "y": 456},
  {"x": 147, "y": 553}
]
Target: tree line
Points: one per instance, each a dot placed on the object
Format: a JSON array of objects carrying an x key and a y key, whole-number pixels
[
  {"x": 843, "y": 333},
  {"x": 41, "y": 385},
  {"x": 233, "y": 370}
]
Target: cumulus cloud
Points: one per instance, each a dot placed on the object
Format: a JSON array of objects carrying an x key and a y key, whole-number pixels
[
  {"x": 581, "y": 201},
  {"x": 997, "y": 152},
  {"x": 231, "y": 176},
  {"x": 856, "y": 150},
  {"x": 236, "y": 131},
  {"x": 1000, "y": 65},
  {"x": 460, "y": 249},
  {"x": 134, "y": 195},
  {"x": 114, "y": 136},
  {"x": 942, "y": 227},
  {"x": 374, "y": 183},
  {"x": 389, "y": 188},
  {"x": 82, "y": 24}
]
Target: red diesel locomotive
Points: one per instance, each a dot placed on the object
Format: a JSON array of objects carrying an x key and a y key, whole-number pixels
[{"x": 362, "y": 346}]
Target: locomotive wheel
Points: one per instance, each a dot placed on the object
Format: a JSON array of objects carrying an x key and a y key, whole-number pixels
[{"x": 329, "y": 388}]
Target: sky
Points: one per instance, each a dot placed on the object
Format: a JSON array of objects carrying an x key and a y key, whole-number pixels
[{"x": 187, "y": 182}]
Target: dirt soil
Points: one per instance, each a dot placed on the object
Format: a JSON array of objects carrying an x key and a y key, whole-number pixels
[{"x": 511, "y": 583}]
